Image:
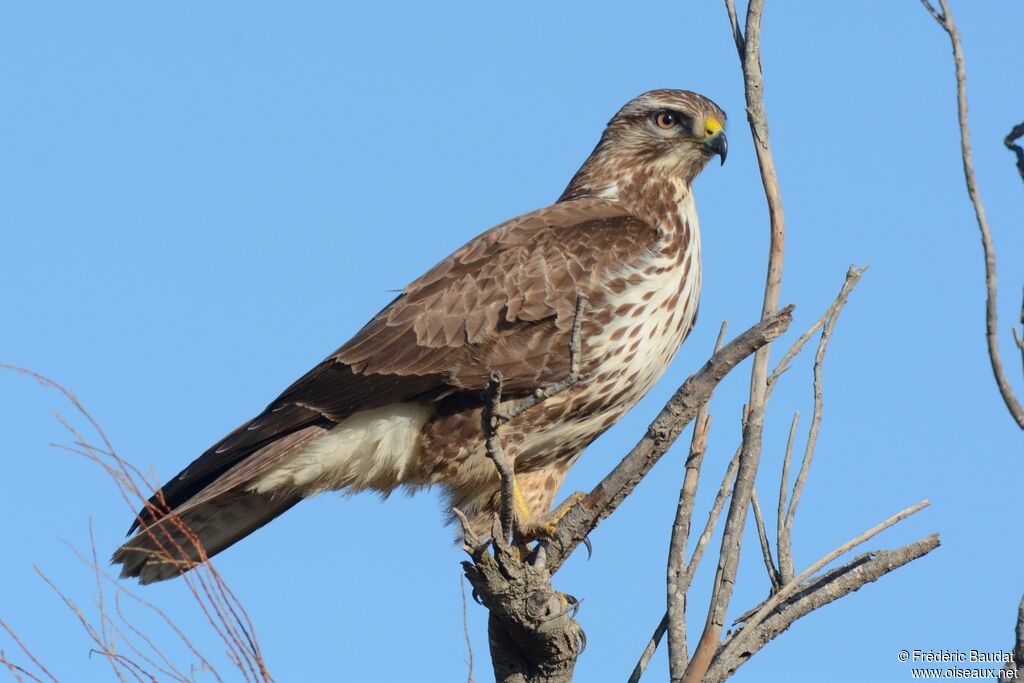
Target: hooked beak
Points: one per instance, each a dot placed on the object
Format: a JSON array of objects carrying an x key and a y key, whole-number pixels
[{"x": 718, "y": 144}]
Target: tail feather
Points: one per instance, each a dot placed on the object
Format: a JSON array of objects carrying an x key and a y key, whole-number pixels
[{"x": 168, "y": 548}]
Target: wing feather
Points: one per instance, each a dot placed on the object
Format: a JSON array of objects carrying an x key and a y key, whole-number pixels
[{"x": 503, "y": 301}]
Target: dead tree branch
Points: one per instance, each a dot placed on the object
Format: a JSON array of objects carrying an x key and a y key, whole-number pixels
[
  {"x": 827, "y": 324},
  {"x": 465, "y": 630},
  {"x": 762, "y": 536},
  {"x": 808, "y": 596},
  {"x": 783, "y": 541},
  {"x": 945, "y": 20}
]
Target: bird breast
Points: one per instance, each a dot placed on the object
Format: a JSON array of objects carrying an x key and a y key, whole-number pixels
[
  {"x": 652, "y": 315},
  {"x": 646, "y": 313}
]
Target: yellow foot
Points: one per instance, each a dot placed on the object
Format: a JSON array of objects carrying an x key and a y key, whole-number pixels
[{"x": 530, "y": 528}]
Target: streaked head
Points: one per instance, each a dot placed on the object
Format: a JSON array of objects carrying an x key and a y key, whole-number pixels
[{"x": 668, "y": 132}]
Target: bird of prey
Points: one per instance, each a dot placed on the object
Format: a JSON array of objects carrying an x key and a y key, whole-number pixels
[{"x": 399, "y": 405}]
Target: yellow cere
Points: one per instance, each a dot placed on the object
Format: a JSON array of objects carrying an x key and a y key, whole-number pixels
[{"x": 712, "y": 126}]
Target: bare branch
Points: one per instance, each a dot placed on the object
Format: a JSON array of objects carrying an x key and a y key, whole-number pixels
[
  {"x": 1018, "y": 337},
  {"x": 28, "y": 653},
  {"x": 465, "y": 629},
  {"x": 757, "y": 615},
  {"x": 225, "y": 614},
  {"x": 811, "y": 595},
  {"x": 728, "y": 481},
  {"x": 490, "y": 422},
  {"x": 783, "y": 542},
  {"x": 766, "y": 550},
  {"x": 853, "y": 276},
  {"x": 652, "y": 646},
  {"x": 945, "y": 20},
  {"x": 676, "y": 592}
]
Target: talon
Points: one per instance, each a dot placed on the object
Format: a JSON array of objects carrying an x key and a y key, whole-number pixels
[{"x": 590, "y": 548}]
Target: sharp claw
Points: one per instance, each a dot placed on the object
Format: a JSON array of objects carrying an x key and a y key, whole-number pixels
[
  {"x": 583, "y": 641},
  {"x": 590, "y": 548},
  {"x": 476, "y": 598}
]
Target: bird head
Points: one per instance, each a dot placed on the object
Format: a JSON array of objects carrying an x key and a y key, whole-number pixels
[{"x": 668, "y": 134}]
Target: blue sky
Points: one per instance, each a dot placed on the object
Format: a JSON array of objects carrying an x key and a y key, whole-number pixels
[{"x": 200, "y": 202}]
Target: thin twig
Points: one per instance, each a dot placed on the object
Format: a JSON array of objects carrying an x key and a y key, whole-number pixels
[
  {"x": 728, "y": 481},
  {"x": 945, "y": 20},
  {"x": 852, "y": 278},
  {"x": 762, "y": 535},
  {"x": 1018, "y": 337},
  {"x": 465, "y": 628},
  {"x": 28, "y": 653},
  {"x": 16, "y": 670},
  {"x": 225, "y": 613},
  {"x": 490, "y": 422},
  {"x": 782, "y": 539}
]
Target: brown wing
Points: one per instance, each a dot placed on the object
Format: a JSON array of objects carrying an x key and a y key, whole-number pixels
[{"x": 504, "y": 301}]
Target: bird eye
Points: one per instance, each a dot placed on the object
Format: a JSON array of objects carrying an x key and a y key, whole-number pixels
[{"x": 666, "y": 120}]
